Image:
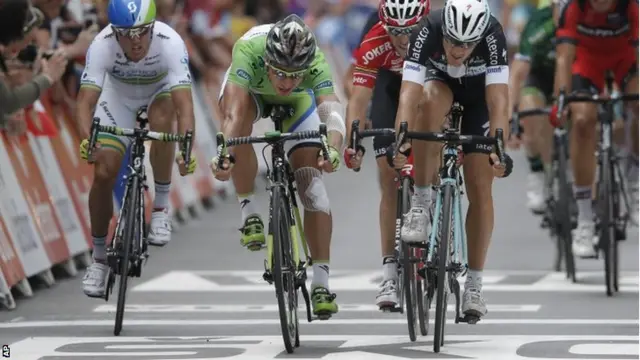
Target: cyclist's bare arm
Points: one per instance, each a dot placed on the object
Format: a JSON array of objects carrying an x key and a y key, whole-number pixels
[
  {"x": 335, "y": 137},
  {"x": 357, "y": 108},
  {"x": 236, "y": 101},
  {"x": 565, "y": 55},
  {"x": 409, "y": 103},
  {"x": 183, "y": 102},
  {"x": 519, "y": 70},
  {"x": 348, "y": 82},
  {"x": 85, "y": 106},
  {"x": 498, "y": 105}
]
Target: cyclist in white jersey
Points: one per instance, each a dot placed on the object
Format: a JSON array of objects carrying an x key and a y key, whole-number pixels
[{"x": 134, "y": 63}]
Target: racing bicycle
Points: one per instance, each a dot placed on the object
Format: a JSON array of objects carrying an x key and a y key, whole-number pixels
[
  {"x": 128, "y": 251},
  {"x": 283, "y": 264},
  {"x": 611, "y": 220},
  {"x": 560, "y": 214}
]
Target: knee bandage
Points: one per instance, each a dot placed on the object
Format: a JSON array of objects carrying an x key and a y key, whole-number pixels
[{"x": 311, "y": 189}]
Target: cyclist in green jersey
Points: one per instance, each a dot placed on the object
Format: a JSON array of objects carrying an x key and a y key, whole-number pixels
[
  {"x": 281, "y": 65},
  {"x": 531, "y": 86}
]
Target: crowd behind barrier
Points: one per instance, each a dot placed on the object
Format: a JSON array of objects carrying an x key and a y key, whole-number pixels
[{"x": 44, "y": 184}]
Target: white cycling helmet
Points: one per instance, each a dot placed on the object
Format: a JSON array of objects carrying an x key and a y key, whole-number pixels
[
  {"x": 401, "y": 13},
  {"x": 466, "y": 20}
]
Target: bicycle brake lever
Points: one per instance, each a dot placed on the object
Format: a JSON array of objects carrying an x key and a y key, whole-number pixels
[
  {"x": 354, "y": 141},
  {"x": 95, "y": 126},
  {"x": 222, "y": 148},
  {"x": 323, "y": 140},
  {"x": 186, "y": 151},
  {"x": 500, "y": 146}
]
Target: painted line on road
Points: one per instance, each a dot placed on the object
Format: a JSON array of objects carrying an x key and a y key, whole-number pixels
[
  {"x": 604, "y": 349},
  {"x": 244, "y": 322},
  {"x": 248, "y": 308}
]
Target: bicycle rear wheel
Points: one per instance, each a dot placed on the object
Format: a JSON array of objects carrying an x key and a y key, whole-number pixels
[
  {"x": 409, "y": 275},
  {"x": 283, "y": 269},
  {"x": 563, "y": 213},
  {"x": 607, "y": 236},
  {"x": 422, "y": 298},
  {"x": 442, "y": 290},
  {"x": 131, "y": 208}
]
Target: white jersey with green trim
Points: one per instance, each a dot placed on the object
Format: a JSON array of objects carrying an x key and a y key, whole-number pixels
[{"x": 166, "y": 64}]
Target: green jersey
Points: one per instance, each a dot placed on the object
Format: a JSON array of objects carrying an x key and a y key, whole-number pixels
[
  {"x": 537, "y": 42},
  {"x": 248, "y": 69}
]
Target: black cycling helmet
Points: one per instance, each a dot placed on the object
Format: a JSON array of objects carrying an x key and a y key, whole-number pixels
[{"x": 290, "y": 44}]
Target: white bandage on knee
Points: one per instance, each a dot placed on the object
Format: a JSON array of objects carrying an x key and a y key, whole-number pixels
[
  {"x": 311, "y": 189},
  {"x": 331, "y": 113}
]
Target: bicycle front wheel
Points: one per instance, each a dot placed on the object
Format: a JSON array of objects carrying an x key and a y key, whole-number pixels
[
  {"x": 563, "y": 213},
  {"x": 409, "y": 276},
  {"x": 442, "y": 290},
  {"x": 283, "y": 268},
  {"x": 131, "y": 208}
]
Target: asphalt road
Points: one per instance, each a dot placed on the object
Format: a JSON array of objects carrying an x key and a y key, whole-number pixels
[{"x": 202, "y": 297}]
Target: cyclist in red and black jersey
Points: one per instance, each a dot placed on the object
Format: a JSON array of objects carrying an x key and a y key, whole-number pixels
[
  {"x": 377, "y": 73},
  {"x": 594, "y": 36}
]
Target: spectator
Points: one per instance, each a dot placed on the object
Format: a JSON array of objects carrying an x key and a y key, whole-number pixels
[{"x": 19, "y": 20}]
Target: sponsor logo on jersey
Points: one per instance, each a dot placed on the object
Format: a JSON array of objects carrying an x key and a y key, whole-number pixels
[
  {"x": 323, "y": 85},
  {"x": 602, "y": 32},
  {"x": 359, "y": 80},
  {"x": 417, "y": 45},
  {"x": 375, "y": 52},
  {"x": 412, "y": 66},
  {"x": 243, "y": 74},
  {"x": 494, "y": 70},
  {"x": 133, "y": 73},
  {"x": 493, "y": 49}
]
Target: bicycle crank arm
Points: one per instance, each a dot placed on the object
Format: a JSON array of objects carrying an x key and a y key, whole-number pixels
[{"x": 307, "y": 302}]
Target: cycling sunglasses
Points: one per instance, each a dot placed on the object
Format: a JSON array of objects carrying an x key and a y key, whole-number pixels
[
  {"x": 458, "y": 43},
  {"x": 281, "y": 74},
  {"x": 134, "y": 32},
  {"x": 399, "y": 30}
]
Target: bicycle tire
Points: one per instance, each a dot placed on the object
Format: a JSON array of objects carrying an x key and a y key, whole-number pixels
[
  {"x": 443, "y": 252},
  {"x": 131, "y": 207},
  {"x": 563, "y": 214},
  {"x": 422, "y": 302},
  {"x": 607, "y": 239},
  {"x": 284, "y": 274},
  {"x": 409, "y": 275}
]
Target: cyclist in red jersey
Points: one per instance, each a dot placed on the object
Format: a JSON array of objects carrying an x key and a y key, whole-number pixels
[
  {"x": 378, "y": 64},
  {"x": 594, "y": 36}
]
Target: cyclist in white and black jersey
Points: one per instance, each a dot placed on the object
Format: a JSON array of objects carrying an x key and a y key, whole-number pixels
[
  {"x": 457, "y": 53},
  {"x": 134, "y": 63}
]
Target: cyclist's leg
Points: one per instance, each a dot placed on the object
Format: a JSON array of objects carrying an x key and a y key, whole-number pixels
[
  {"x": 246, "y": 167},
  {"x": 478, "y": 178},
  {"x": 582, "y": 147},
  {"x": 108, "y": 159},
  {"x": 318, "y": 222},
  {"x": 437, "y": 101},
  {"x": 629, "y": 84},
  {"x": 384, "y": 106},
  {"x": 161, "y": 113},
  {"x": 537, "y": 140}
]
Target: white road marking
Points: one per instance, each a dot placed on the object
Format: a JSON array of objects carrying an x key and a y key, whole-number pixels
[
  {"x": 332, "y": 322},
  {"x": 501, "y": 347},
  {"x": 205, "y": 308},
  {"x": 604, "y": 349},
  {"x": 192, "y": 281}
]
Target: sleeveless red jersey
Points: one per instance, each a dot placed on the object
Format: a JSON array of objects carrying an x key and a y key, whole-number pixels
[{"x": 374, "y": 53}]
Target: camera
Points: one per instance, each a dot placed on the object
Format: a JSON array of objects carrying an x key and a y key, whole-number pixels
[{"x": 29, "y": 54}]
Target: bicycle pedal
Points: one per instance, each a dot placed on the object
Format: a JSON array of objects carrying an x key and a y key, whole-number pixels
[
  {"x": 469, "y": 319},
  {"x": 390, "y": 309},
  {"x": 255, "y": 246},
  {"x": 323, "y": 316}
]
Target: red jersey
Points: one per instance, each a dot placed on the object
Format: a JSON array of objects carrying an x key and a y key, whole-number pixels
[
  {"x": 374, "y": 53},
  {"x": 599, "y": 33}
]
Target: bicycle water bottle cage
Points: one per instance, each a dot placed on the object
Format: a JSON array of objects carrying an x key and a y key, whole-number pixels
[{"x": 142, "y": 117}]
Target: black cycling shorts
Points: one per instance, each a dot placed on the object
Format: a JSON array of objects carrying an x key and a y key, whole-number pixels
[
  {"x": 543, "y": 83},
  {"x": 384, "y": 106},
  {"x": 470, "y": 93}
]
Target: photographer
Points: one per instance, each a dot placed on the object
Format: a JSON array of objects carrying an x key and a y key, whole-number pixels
[{"x": 18, "y": 21}]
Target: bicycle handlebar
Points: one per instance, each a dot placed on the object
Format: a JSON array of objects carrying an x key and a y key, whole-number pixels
[
  {"x": 445, "y": 137},
  {"x": 271, "y": 138},
  {"x": 141, "y": 134},
  {"x": 564, "y": 99}
]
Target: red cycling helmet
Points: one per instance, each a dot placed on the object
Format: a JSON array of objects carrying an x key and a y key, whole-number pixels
[{"x": 402, "y": 13}]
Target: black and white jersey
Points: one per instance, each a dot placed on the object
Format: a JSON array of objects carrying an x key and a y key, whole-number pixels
[{"x": 426, "y": 53}]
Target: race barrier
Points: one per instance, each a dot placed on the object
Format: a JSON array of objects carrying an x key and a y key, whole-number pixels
[{"x": 45, "y": 227}]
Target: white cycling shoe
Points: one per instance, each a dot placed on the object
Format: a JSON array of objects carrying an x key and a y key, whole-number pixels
[
  {"x": 416, "y": 225},
  {"x": 388, "y": 295},
  {"x": 160, "y": 228},
  {"x": 584, "y": 239},
  {"x": 94, "y": 282},
  {"x": 535, "y": 192}
]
